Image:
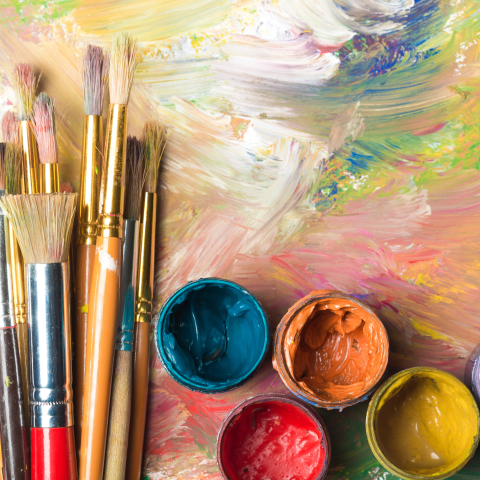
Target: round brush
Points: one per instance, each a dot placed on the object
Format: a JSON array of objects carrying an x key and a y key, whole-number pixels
[{"x": 43, "y": 226}]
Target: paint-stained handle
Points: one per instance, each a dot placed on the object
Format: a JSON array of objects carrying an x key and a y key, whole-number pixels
[
  {"x": 53, "y": 454},
  {"x": 141, "y": 358},
  {"x": 83, "y": 280},
  {"x": 119, "y": 423},
  {"x": 22, "y": 336},
  {"x": 102, "y": 325},
  {"x": 12, "y": 417}
]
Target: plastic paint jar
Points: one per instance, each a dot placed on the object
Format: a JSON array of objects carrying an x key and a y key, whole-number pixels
[
  {"x": 330, "y": 349},
  {"x": 472, "y": 373},
  {"x": 273, "y": 436},
  {"x": 423, "y": 423},
  {"x": 212, "y": 335}
]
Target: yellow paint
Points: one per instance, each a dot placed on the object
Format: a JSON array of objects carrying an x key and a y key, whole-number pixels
[
  {"x": 8, "y": 382},
  {"x": 430, "y": 332},
  {"x": 423, "y": 423},
  {"x": 84, "y": 309}
]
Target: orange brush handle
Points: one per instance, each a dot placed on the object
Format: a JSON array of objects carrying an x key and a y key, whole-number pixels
[
  {"x": 102, "y": 325},
  {"x": 141, "y": 358},
  {"x": 85, "y": 259}
]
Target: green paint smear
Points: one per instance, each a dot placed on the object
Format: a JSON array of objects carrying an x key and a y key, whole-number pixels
[{"x": 41, "y": 11}]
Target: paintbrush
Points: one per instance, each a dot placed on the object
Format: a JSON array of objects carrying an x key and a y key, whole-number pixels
[
  {"x": 119, "y": 422},
  {"x": 154, "y": 137},
  {"x": 105, "y": 287},
  {"x": 43, "y": 226},
  {"x": 94, "y": 79},
  {"x": 45, "y": 129},
  {"x": 12, "y": 415},
  {"x": 15, "y": 186},
  {"x": 25, "y": 84}
]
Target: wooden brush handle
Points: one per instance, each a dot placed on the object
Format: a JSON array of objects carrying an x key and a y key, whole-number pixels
[
  {"x": 84, "y": 270},
  {"x": 22, "y": 336},
  {"x": 102, "y": 325},
  {"x": 119, "y": 423},
  {"x": 12, "y": 417},
  {"x": 141, "y": 358}
]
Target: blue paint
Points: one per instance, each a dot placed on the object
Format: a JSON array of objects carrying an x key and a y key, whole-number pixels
[{"x": 212, "y": 335}]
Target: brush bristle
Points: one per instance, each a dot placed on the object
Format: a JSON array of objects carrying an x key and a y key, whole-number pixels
[
  {"x": 154, "y": 137},
  {"x": 45, "y": 128},
  {"x": 42, "y": 224},
  {"x": 3, "y": 148},
  {"x": 25, "y": 84},
  {"x": 95, "y": 76},
  {"x": 135, "y": 177},
  {"x": 123, "y": 62},
  {"x": 13, "y": 169},
  {"x": 10, "y": 127}
]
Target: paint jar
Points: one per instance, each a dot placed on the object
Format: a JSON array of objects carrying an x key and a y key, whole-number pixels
[
  {"x": 423, "y": 423},
  {"x": 212, "y": 335},
  {"x": 330, "y": 349},
  {"x": 273, "y": 436},
  {"x": 472, "y": 373}
]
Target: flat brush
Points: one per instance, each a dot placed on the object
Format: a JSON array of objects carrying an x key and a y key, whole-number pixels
[
  {"x": 12, "y": 417},
  {"x": 94, "y": 79},
  {"x": 43, "y": 226},
  {"x": 154, "y": 137},
  {"x": 25, "y": 84},
  {"x": 105, "y": 287},
  {"x": 119, "y": 422},
  {"x": 10, "y": 127},
  {"x": 45, "y": 128}
]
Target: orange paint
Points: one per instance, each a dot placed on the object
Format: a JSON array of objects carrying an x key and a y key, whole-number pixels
[{"x": 334, "y": 348}]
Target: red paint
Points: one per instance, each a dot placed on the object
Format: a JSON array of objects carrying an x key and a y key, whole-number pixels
[
  {"x": 53, "y": 454},
  {"x": 273, "y": 440}
]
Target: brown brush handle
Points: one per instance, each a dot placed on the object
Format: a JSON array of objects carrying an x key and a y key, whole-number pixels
[
  {"x": 85, "y": 258},
  {"x": 102, "y": 325},
  {"x": 141, "y": 358},
  {"x": 22, "y": 336},
  {"x": 119, "y": 423}
]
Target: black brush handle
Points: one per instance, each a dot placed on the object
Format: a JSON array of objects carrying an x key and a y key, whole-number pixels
[{"x": 12, "y": 415}]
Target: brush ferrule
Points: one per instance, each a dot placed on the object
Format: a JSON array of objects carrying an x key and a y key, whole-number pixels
[
  {"x": 144, "y": 296},
  {"x": 30, "y": 157},
  {"x": 7, "y": 318},
  {"x": 49, "y": 178},
  {"x": 113, "y": 176},
  {"x": 128, "y": 280},
  {"x": 17, "y": 273},
  {"x": 49, "y": 337},
  {"x": 90, "y": 179}
]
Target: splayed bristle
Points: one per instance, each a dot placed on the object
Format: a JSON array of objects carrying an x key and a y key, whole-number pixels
[
  {"x": 42, "y": 224},
  {"x": 154, "y": 137},
  {"x": 25, "y": 84},
  {"x": 123, "y": 62},
  {"x": 45, "y": 128},
  {"x": 66, "y": 187},
  {"x": 135, "y": 177},
  {"x": 10, "y": 127},
  {"x": 13, "y": 168},
  {"x": 3, "y": 148},
  {"x": 95, "y": 76}
]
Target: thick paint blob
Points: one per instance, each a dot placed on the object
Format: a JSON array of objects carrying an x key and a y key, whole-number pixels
[
  {"x": 213, "y": 333},
  {"x": 335, "y": 349},
  {"x": 427, "y": 425},
  {"x": 272, "y": 440}
]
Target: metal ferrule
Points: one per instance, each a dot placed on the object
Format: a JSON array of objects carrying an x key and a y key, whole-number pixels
[
  {"x": 17, "y": 274},
  {"x": 51, "y": 399},
  {"x": 90, "y": 179},
  {"x": 30, "y": 157},
  {"x": 7, "y": 318},
  {"x": 49, "y": 178},
  {"x": 128, "y": 280},
  {"x": 113, "y": 176},
  {"x": 146, "y": 257}
]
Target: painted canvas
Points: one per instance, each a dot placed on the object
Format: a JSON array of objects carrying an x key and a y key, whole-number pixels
[{"x": 315, "y": 144}]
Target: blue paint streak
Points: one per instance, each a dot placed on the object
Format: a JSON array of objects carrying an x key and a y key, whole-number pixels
[{"x": 212, "y": 335}]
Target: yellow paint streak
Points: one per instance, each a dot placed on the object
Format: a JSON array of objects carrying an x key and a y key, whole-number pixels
[{"x": 422, "y": 329}]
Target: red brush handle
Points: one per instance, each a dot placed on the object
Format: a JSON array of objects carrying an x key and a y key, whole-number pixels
[{"x": 53, "y": 454}]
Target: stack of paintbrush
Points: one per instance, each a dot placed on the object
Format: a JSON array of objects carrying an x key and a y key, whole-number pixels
[{"x": 113, "y": 285}]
